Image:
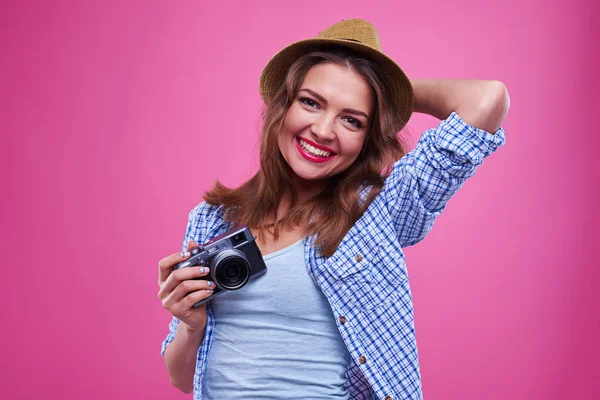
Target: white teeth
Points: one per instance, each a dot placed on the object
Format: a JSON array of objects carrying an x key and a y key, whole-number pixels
[{"x": 313, "y": 150}]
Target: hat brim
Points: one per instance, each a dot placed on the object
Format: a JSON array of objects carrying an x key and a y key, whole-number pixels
[{"x": 393, "y": 79}]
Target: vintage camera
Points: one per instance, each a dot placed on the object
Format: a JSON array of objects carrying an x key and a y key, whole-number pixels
[{"x": 233, "y": 259}]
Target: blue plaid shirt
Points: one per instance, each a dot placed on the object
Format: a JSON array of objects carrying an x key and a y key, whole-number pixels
[{"x": 366, "y": 280}]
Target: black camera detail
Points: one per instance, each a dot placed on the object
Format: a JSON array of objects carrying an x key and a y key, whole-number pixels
[{"x": 233, "y": 259}]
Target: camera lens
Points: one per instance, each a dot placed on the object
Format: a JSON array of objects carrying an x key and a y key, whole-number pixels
[{"x": 230, "y": 269}]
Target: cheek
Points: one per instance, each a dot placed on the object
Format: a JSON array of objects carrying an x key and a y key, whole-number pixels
[
  {"x": 353, "y": 147},
  {"x": 295, "y": 120}
]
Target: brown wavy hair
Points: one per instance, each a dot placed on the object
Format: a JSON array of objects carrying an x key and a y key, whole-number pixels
[{"x": 330, "y": 214}]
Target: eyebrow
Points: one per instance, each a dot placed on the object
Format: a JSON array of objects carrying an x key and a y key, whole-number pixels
[{"x": 322, "y": 100}]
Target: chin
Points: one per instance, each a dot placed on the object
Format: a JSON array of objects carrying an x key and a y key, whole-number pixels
[
  {"x": 311, "y": 177},
  {"x": 308, "y": 175}
]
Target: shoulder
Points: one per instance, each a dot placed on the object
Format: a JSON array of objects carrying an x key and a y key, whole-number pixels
[
  {"x": 204, "y": 211},
  {"x": 204, "y": 219}
]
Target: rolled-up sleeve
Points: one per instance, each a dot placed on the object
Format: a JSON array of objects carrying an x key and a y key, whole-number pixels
[
  {"x": 189, "y": 231},
  {"x": 421, "y": 183},
  {"x": 172, "y": 330}
]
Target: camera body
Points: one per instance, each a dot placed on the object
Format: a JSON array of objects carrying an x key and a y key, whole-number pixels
[{"x": 233, "y": 258}]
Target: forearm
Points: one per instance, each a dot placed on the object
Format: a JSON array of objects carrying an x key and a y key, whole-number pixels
[
  {"x": 482, "y": 104},
  {"x": 180, "y": 357}
]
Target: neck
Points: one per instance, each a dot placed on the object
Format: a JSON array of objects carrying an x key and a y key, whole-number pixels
[{"x": 306, "y": 189}]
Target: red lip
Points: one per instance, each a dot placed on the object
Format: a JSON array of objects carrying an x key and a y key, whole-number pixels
[
  {"x": 310, "y": 157},
  {"x": 317, "y": 146}
]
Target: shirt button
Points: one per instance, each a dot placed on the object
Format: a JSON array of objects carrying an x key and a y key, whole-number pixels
[
  {"x": 362, "y": 359},
  {"x": 359, "y": 257},
  {"x": 388, "y": 398},
  {"x": 342, "y": 320}
]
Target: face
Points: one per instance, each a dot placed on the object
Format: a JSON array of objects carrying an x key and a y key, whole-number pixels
[{"x": 327, "y": 124}]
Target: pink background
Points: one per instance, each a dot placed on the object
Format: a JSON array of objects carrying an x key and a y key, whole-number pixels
[{"x": 115, "y": 116}]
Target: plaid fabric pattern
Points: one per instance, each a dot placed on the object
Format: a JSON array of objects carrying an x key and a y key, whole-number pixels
[{"x": 366, "y": 280}]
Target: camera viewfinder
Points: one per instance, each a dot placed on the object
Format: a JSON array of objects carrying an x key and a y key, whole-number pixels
[{"x": 238, "y": 239}]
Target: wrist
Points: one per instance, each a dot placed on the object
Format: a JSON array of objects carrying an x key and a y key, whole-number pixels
[
  {"x": 420, "y": 104},
  {"x": 190, "y": 330},
  {"x": 433, "y": 97}
]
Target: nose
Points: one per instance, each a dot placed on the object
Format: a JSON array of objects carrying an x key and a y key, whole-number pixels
[{"x": 323, "y": 128}]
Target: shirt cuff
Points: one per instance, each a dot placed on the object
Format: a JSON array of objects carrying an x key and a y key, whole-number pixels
[{"x": 460, "y": 138}]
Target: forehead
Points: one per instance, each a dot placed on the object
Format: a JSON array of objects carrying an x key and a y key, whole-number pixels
[{"x": 341, "y": 86}]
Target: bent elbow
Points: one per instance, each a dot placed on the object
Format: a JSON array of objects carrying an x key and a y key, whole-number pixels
[
  {"x": 496, "y": 105},
  {"x": 500, "y": 97},
  {"x": 186, "y": 388}
]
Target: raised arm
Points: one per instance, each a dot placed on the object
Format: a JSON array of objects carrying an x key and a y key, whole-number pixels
[
  {"x": 482, "y": 104},
  {"x": 421, "y": 183}
]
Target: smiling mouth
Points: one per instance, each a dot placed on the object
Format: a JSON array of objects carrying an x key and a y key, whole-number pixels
[{"x": 313, "y": 151}]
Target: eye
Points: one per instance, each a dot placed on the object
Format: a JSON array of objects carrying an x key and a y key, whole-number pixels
[
  {"x": 354, "y": 122},
  {"x": 309, "y": 102}
]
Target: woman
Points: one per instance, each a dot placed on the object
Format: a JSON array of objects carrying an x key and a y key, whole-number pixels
[{"x": 335, "y": 201}]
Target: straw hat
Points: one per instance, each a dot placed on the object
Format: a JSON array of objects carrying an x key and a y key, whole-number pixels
[{"x": 357, "y": 35}]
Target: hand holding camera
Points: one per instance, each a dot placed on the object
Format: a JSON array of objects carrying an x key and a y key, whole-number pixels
[
  {"x": 182, "y": 288},
  {"x": 226, "y": 262},
  {"x": 233, "y": 259}
]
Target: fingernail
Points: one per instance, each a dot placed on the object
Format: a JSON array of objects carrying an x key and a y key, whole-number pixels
[
  {"x": 181, "y": 254},
  {"x": 209, "y": 290},
  {"x": 210, "y": 283},
  {"x": 186, "y": 254},
  {"x": 201, "y": 270}
]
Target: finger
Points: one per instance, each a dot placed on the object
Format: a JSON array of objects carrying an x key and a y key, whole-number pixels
[
  {"x": 187, "y": 287},
  {"x": 194, "y": 297},
  {"x": 166, "y": 265},
  {"x": 180, "y": 275},
  {"x": 191, "y": 245}
]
